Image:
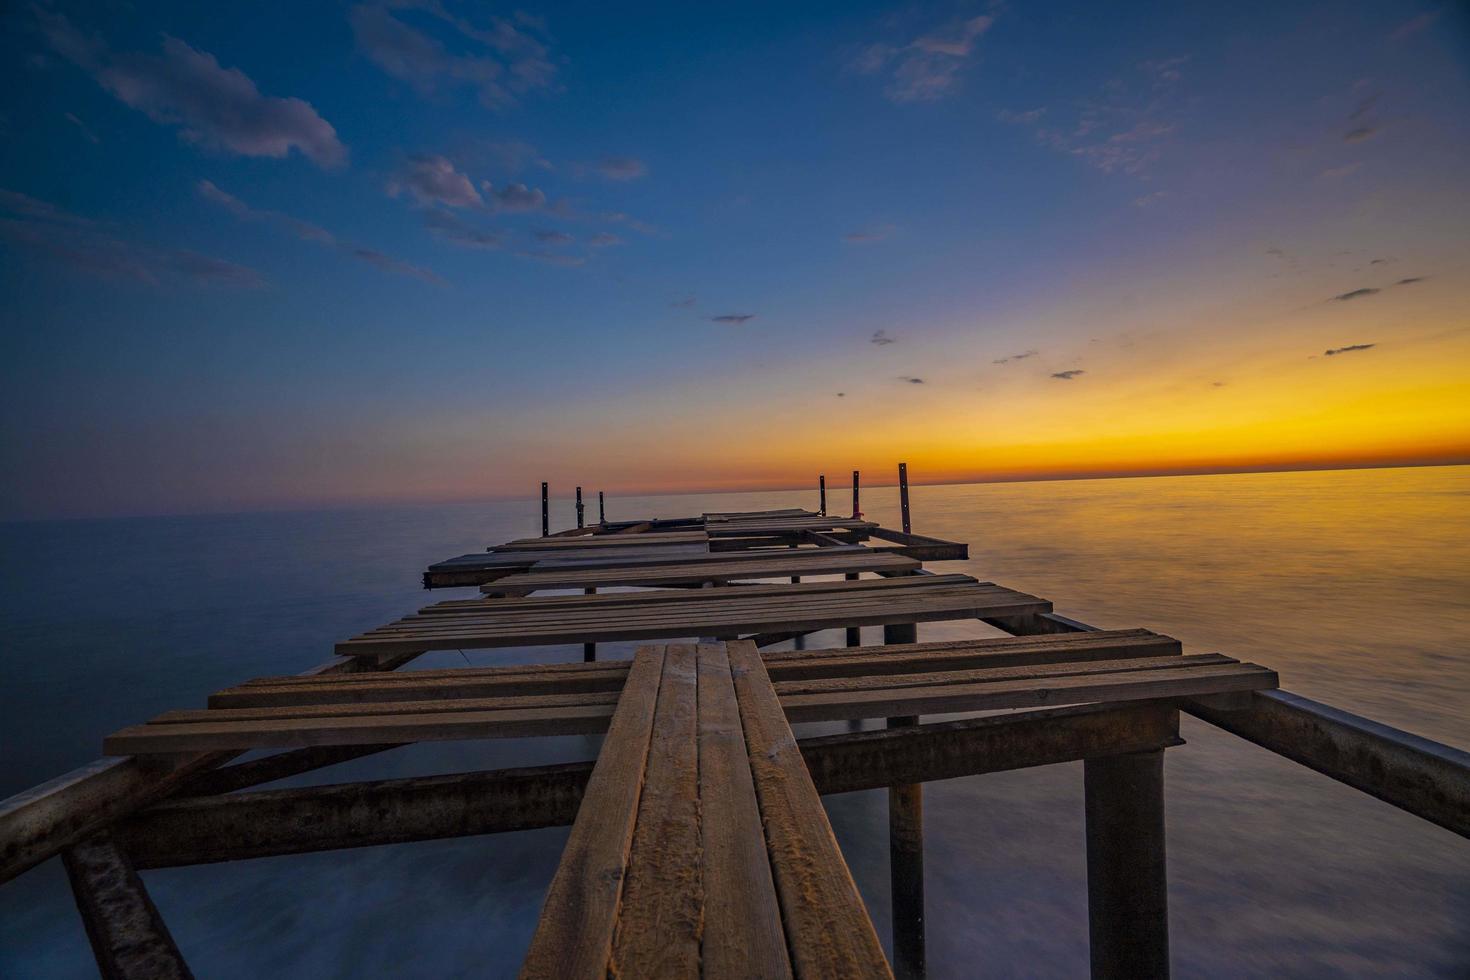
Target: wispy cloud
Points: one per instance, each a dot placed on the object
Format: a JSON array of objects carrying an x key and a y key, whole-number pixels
[
  {"x": 82, "y": 245},
  {"x": 687, "y": 303},
  {"x": 868, "y": 235},
  {"x": 1334, "y": 351},
  {"x": 551, "y": 237},
  {"x": 456, "y": 231},
  {"x": 83, "y": 128},
  {"x": 619, "y": 168},
  {"x": 1359, "y": 134},
  {"x": 926, "y": 68},
  {"x": 553, "y": 258},
  {"x": 1414, "y": 25},
  {"x": 502, "y": 62},
  {"x": 604, "y": 239},
  {"x": 842, "y": 394},
  {"x": 215, "y": 107},
  {"x": 907, "y": 379},
  {"x": 308, "y": 232},
  {"x": 1355, "y": 294},
  {"x": 1123, "y": 130},
  {"x": 431, "y": 179},
  {"x": 515, "y": 197},
  {"x": 1410, "y": 280},
  {"x": 1068, "y": 375},
  {"x": 1015, "y": 357},
  {"x": 881, "y": 338},
  {"x": 733, "y": 319}
]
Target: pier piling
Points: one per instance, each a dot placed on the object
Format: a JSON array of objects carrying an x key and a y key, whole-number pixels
[
  {"x": 906, "y": 849},
  {"x": 1127, "y": 889}
]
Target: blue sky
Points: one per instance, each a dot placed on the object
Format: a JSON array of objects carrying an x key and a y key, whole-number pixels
[{"x": 294, "y": 255}]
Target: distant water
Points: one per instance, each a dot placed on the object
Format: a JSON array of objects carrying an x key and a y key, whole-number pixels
[{"x": 1354, "y": 585}]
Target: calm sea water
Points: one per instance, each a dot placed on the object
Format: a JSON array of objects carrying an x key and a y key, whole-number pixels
[{"x": 1354, "y": 585}]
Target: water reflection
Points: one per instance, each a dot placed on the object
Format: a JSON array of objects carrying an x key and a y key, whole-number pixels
[{"x": 1351, "y": 584}]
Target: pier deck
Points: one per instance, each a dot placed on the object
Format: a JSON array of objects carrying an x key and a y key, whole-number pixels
[{"x": 699, "y": 845}]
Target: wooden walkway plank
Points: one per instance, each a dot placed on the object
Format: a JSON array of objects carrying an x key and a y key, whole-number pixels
[
  {"x": 1142, "y": 685},
  {"x": 743, "y": 935},
  {"x": 609, "y": 675},
  {"x": 661, "y": 918},
  {"x": 715, "y": 570},
  {"x": 574, "y": 937},
  {"x": 828, "y": 931}
]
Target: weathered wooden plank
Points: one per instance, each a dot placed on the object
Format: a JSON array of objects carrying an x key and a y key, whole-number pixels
[
  {"x": 369, "y": 730},
  {"x": 664, "y": 574},
  {"x": 714, "y": 620},
  {"x": 604, "y": 541},
  {"x": 828, "y": 931},
  {"x": 128, "y": 936},
  {"x": 604, "y": 599},
  {"x": 559, "y": 678},
  {"x": 1008, "y": 651},
  {"x": 743, "y": 936},
  {"x": 338, "y": 709},
  {"x": 574, "y": 936},
  {"x": 1142, "y": 685},
  {"x": 678, "y": 602},
  {"x": 878, "y": 679},
  {"x": 413, "y": 688},
  {"x": 661, "y": 912}
]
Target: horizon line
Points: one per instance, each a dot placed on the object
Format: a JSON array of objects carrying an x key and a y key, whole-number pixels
[{"x": 1132, "y": 474}]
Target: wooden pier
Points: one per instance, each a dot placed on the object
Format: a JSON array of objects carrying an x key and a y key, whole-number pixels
[{"x": 699, "y": 845}]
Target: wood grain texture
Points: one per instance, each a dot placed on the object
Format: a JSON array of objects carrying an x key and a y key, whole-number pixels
[
  {"x": 743, "y": 935},
  {"x": 828, "y": 931},
  {"x": 573, "y": 939},
  {"x": 661, "y": 915}
]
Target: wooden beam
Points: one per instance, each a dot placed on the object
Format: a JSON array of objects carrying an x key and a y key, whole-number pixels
[
  {"x": 574, "y": 936},
  {"x": 202, "y": 830},
  {"x": 828, "y": 932},
  {"x": 128, "y": 936},
  {"x": 1127, "y": 887}
]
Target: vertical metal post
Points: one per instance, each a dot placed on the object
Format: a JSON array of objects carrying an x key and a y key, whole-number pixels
[
  {"x": 906, "y": 850},
  {"x": 1127, "y": 889},
  {"x": 579, "y": 508},
  {"x": 856, "y": 510},
  {"x": 601, "y": 509},
  {"x": 822, "y": 492},
  {"x": 545, "y": 513},
  {"x": 903, "y": 496}
]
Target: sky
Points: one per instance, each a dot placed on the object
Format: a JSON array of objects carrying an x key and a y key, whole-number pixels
[{"x": 262, "y": 256}]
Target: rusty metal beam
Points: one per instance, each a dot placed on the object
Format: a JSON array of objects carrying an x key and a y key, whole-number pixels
[
  {"x": 1426, "y": 778},
  {"x": 293, "y": 762},
  {"x": 225, "y": 828},
  {"x": 127, "y": 934},
  {"x": 37, "y": 823},
  {"x": 1429, "y": 779}
]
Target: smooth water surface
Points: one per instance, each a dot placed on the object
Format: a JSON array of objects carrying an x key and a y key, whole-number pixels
[{"x": 1354, "y": 585}]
